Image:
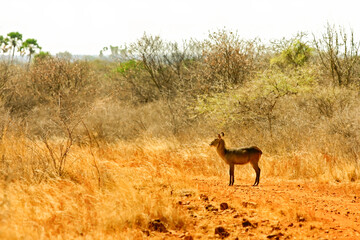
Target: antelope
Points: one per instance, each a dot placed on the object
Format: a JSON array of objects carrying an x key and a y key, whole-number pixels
[{"x": 239, "y": 156}]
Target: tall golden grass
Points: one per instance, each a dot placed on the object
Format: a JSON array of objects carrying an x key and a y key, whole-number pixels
[{"x": 113, "y": 191}]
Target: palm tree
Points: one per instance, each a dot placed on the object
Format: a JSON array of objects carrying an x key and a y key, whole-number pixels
[
  {"x": 31, "y": 45},
  {"x": 4, "y": 42},
  {"x": 1, "y": 41},
  {"x": 15, "y": 38}
]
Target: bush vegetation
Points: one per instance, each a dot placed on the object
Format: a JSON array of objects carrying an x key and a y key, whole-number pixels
[{"x": 151, "y": 108}]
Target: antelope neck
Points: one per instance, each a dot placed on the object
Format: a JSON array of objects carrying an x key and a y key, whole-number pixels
[{"x": 221, "y": 148}]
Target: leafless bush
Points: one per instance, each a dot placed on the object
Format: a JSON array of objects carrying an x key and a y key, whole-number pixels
[
  {"x": 330, "y": 101},
  {"x": 339, "y": 54},
  {"x": 158, "y": 69},
  {"x": 58, "y": 159},
  {"x": 62, "y": 85},
  {"x": 229, "y": 59}
]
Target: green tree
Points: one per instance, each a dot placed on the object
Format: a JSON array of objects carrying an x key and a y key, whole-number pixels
[
  {"x": 257, "y": 101},
  {"x": 31, "y": 46},
  {"x": 15, "y": 39},
  {"x": 4, "y": 42},
  {"x": 42, "y": 56},
  {"x": 296, "y": 54}
]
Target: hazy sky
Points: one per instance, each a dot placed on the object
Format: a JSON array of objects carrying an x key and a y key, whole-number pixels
[{"x": 86, "y": 26}]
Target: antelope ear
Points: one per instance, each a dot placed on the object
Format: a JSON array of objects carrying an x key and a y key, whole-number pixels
[
  {"x": 219, "y": 136},
  {"x": 222, "y": 134}
]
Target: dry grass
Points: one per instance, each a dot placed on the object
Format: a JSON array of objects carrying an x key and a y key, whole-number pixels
[
  {"x": 117, "y": 189},
  {"x": 132, "y": 184}
]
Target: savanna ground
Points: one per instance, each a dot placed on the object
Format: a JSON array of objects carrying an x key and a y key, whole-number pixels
[
  {"x": 117, "y": 147},
  {"x": 121, "y": 190}
]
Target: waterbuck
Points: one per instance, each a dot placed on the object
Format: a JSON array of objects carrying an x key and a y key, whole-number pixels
[{"x": 239, "y": 156}]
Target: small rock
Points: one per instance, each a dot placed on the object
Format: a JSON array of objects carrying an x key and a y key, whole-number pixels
[
  {"x": 276, "y": 227},
  {"x": 204, "y": 197},
  {"x": 221, "y": 232},
  {"x": 247, "y": 223},
  {"x": 184, "y": 203},
  {"x": 249, "y": 204},
  {"x": 224, "y": 206},
  {"x": 157, "y": 225},
  {"x": 301, "y": 219},
  {"x": 186, "y": 193},
  {"x": 210, "y": 207},
  {"x": 146, "y": 232},
  {"x": 275, "y": 236}
]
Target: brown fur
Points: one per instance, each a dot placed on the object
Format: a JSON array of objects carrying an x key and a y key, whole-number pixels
[{"x": 239, "y": 156}]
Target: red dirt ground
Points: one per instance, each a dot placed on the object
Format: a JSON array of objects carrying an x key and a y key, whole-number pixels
[{"x": 273, "y": 210}]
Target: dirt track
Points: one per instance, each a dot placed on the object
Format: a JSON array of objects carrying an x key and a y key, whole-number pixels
[{"x": 280, "y": 210}]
